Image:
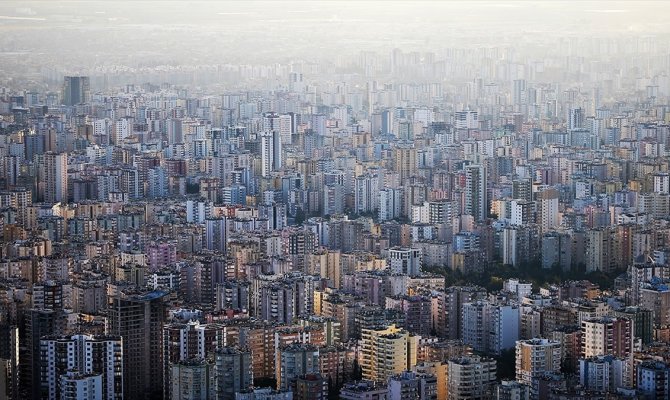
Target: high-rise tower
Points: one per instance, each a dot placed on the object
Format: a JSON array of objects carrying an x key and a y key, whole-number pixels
[
  {"x": 76, "y": 90},
  {"x": 476, "y": 202},
  {"x": 139, "y": 319},
  {"x": 271, "y": 154},
  {"x": 55, "y": 177}
]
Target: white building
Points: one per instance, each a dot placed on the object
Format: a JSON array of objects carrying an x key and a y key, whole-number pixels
[
  {"x": 420, "y": 213},
  {"x": 605, "y": 374},
  {"x": 366, "y": 193},
  {"x": 575, "y": 118},
  {"x": 157, "y": 183},
  {"x": 521, "y": 212},
  {"x": 390, "y": 204},
  {"x": 215, "y": 234},
  {"x": 403, "y": 386},
  {"x": 535, "y": 357},
  {"x": 549, "y": 218},
  {"x": 271, "y": 152},
  {"x": 102, "y": 127},
  {"x": 333, "y": 200},
  {"x": 282, "y": 124},
  {"x": 509, "y": 246},
  {"x": 434, "y": 212},
  {"x": 606, "y": 336},
  {"x": 55, "y": 178},
  {"x": 197, "y": 212},
  {"x": 87, "y": 355},
  {"x": 406, "y": 261},
  {"x": 662, "y": 182},
  {"x": 122, "y": 129},
  {"x": 504, "y": 328},
  {"x": 466, "y": 119},
  {"x": 490, "y": 327},
  {"x": 522, "y": 289},
  {"x": 76, "y": 386}
]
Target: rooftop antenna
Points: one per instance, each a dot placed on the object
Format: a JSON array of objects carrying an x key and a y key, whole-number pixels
[{"x": 651, "y": 259}]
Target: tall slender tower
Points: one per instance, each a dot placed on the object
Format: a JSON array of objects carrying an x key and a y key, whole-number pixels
[
  {"x": 271, "y": 154},
  {"x": 76, "y": 90},
  {"x": 519, "y": 92},
  {"x": 575, "y": 118},
  {"x": 9, "y": 360},
  {"x": 55, "y": 177},
  {"x": 549, "y": 209},
  {"x": 280, "y": 123},
  {"x": 39, "y": 323},
  {"x": 405, "y": 161},
  {"x": 139, "y": 320},
  {"x": 476, "y": 202}
]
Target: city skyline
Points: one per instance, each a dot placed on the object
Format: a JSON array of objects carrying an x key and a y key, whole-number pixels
[{"x": 356, "y": 200}]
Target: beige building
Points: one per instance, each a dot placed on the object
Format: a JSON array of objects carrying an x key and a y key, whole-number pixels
[
  {"x": 440, "y": 370},
  {"x": 606, "y": 336},
  {"x": 386, "y": 352},
  {"x": 656, "y": 299},
  {"x": 405, "y": 162},
  {"x": 325, "y": 263},
  {"x": 535, "y": 357}
]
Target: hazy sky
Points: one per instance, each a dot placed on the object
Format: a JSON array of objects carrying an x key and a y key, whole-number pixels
[
  {"x": 330, "y": 22},
  {"x": 89, "y": 33}
]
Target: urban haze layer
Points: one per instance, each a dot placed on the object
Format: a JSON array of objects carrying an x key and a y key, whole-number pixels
[{"x": 357, "y": 200}]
